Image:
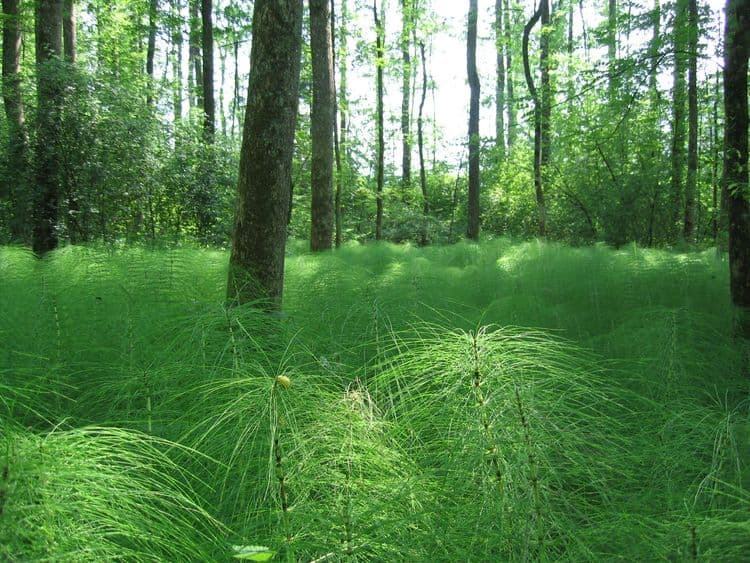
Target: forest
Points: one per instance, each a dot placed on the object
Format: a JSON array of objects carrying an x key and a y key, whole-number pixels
[{"x": 375, "y": 280}]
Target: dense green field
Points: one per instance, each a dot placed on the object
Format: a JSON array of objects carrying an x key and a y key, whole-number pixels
[{"x": 494, "y": 402}]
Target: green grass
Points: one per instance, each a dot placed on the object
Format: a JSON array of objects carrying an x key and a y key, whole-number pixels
[{"x": 398, "y": 410}]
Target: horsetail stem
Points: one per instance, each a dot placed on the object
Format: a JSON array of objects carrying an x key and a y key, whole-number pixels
[
  {"x": 531, "y": 458},
  {"x": 484, "y": 417}
]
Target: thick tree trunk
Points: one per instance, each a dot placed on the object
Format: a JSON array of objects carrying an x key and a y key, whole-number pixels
[
  {"x": 406, "y": 71},
  {"x": 321, "y": 125},
  {"x": 153, "y": 7},
  {"x": 49, "y": 94},
  {"x": 736, "y": 53},
  {"x": 472, "y": 229},
  {"x": 207, "y": 40},
  {"x": 69, "y": 30},
  {"x": 379, "y": 64},
  {"x": 13, "y": 186},
  {"x": 692, "y": 154},
  {"x": 256, "y": 265},
  {"x": 500, "y": 48},
  {"x": 678, "y": 119}
]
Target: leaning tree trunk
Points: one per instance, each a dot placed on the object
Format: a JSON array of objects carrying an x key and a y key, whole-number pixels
[
  {"x": 49, "y": 95},
  {"x": 472, "y": 230},
  {"x": 379, "y": 64},
  {"x": 256, "y": 264},
  {"x": 321, "y": 125},
  {"x": 18, "y": 140},
  {"x": 736, "y": 53},
  {"x": 207, "y": 41}
]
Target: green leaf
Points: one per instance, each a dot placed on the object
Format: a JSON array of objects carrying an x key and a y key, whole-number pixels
[{"x": 253, "y": 552}]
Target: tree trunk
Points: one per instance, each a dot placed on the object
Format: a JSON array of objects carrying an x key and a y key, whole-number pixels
[
  {"x": 336, "y": 132},
  {"x": 321, "y": 125},
  {"x": 736, "y": 53},
  {"x": 420, "y": 142},
  {"x": 18, "y": 139},
  {"x": 612, "y": 49},
  {"x": 692, "y": 155},
  {"x": 500, "y": 48},
  {"x": 678, "y": 119},
  {"x": 49, "y": 94},
  {"x": 653, "y": 49},
  {"x": 153, "y": 7},
  {"x": 472, "y": 230},
  {"x": 69, "y": 31},
  {"x": 511, "y": 102},
  {"x": 177, "y": 70},
  {"x": 407, "y": 22},
  {"x": 379, "y": 64},
  {"x": 194, "y": 54},
  {"x": 256, "y": 265},
  {"x": 207, "y": 39}
]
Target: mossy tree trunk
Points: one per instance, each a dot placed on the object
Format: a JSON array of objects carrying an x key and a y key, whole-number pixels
[
  {"x": 737, "y": 51},
  {"x": 321, "y": 125},
  {"x": 256, "y": 266},
  {"x": 49, "y": 94}
]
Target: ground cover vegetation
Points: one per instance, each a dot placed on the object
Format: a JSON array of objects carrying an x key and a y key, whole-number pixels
[{"x": 399, "y": 409}]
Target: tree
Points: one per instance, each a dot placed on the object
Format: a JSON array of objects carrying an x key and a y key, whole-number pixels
[
  {"x": 542, "y": 108},
  {"x": 69, "y": 30},
  {"x": 735, "y": 178},
  {"x": 472, "y": 231},
  {"x": 256, "y": 264},
  {"x": 407, "y": 16},
  {"x": 692, "y": 151},
  {"x": 14, "y": 112},
  {"x": 195, "y": 63},
  {"x": 379, "y": 64},
  {"x": 153, "y": 7},
  {"x": 322, "y": 119},
  {"x": 207, "y": 43},
  {"x": 678, "y": 115},
  {"x": 49, "y": 95},
  {"x": 500, "y": 77}
]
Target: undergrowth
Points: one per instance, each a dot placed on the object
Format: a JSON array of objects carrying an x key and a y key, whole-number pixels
[{"x": 396, "y": 410}]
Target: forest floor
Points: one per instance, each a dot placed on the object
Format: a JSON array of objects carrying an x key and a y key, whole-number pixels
[{"x": 494, "y": 402}]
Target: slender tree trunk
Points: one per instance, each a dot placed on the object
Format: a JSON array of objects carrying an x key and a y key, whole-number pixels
[
  {"x": 321, "y": 121},
  {"x": 236, "y": 95},
  {"x": 539, "y": 109},
  {"x": 194, "y": 53},
  {"x": 472, "y": 230},
  {"x": 692, "y": 156},
  {"x": 736, "y": 54},
  {"x": 207, "y": 39},
  {"x": 379, "y": 64},
  {"x": 178, "y": 53},
  {"x": 222, "y": 90},
  {"x": 18, "y": 140},
  {"x": 49, "y": 94},
  {"x": 406, "y": 71},
  {"x": 69, "y": 30},
  {"x": 420, "y": 142},
  {"x": 153, "y": 7},
  {"x": 715, "y": 161},
  {"x": 256, "y": 264},
  {"x": 678, "y": 118},
  {"x": 500, "y": 78},
  {"x": 510, "y": 100},
  {"x": 653, "y": 49},
  {"x": 337, "y": 132},
  {"x": 612, "y": 49}
]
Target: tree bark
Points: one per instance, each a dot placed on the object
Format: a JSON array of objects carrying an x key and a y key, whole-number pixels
[
  {"x": 420, "y": 142},
  {"x": 612, "y": 49},
  {"x": 336, "y": 131},
  {"x": 406, "y": 72},
  {"x": 511, "y": 102},
  {"x": 321, "y": 125},
  {"x": 18, "y": 139},
  {"x": 500, "y": 48},
  {"x": 472, "y": 230},
  {"x": 207, "y": 41},
  {"x": 379, "y": 64},
  {"x": 153, "y": 7},
  {"x": 69, "y": 30},
  {"x": 692, "y": 154},
  {"x": 194, "y": 53},
  {"x": 735, "y": 180},
  {"x": 678, "y": 119},
  {"x": 49, "y": 95},
  {"x": 256, "y": 265}
]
